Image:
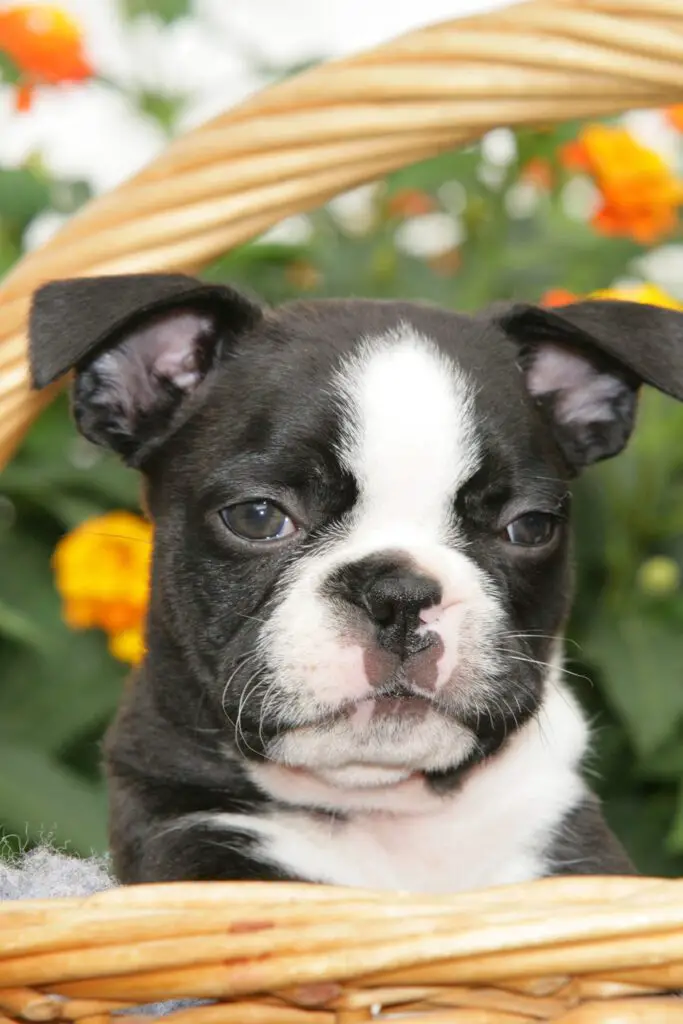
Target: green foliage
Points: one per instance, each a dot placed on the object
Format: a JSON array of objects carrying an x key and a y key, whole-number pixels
[
  {"x": 58, "y": 689},
  {"x": 165, "y": 110},
  {"x": 165, "y": 10},
  {"x": 9, "y": 72}
]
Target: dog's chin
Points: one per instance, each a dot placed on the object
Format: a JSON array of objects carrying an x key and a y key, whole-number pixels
[{"x": 378, "y": 743}]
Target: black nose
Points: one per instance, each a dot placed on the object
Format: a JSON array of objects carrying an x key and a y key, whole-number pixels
[{"x": 394, "y": 602}]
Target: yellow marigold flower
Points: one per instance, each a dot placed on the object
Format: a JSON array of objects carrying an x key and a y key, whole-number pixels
[
  {"x": 650, "y": 294},
  {"x": 128, "y": 646},
  {"x": 102, "y": 573},
  {"x": 640, "y": 193}
]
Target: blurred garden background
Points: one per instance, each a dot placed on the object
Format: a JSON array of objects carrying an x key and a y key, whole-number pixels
[{"x": 90, "y": 92}]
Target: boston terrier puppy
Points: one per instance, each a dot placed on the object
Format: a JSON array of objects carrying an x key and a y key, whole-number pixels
[{"x": 361, "y": 575}]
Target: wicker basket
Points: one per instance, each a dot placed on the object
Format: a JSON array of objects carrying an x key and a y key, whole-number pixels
[{"x": 575, "y": 950}]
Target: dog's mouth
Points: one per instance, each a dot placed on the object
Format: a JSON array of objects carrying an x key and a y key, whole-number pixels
[
  {"x": 400, "y": 704},
  {"x": 396, "y": 698},
  {"x": 393, "y": 700}
]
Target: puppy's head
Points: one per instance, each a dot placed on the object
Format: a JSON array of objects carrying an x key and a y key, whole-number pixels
[{"x": 360, "y": 508}]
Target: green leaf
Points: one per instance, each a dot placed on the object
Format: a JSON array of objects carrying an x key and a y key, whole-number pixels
[
  {"x": 66, "y": 685},
  {"x": 57, "y": 470},
  {"x": 640, "y": 662},
  {"x": 10, "y": 246},
  {"x": 665, "y": 763},
  {"x": 674, "y": 839},
  {"x": 9, "y": 71},
  {"x": 642, "y": 820},
  {"x": 165, "y": 10},
  {"x": 41, "y": 796},
  {"x": 429, "y": 175},
  {"x": 18, "y": 627},
  {"x": 23, "y": 194},
  {"x": 165, "y": 110}
]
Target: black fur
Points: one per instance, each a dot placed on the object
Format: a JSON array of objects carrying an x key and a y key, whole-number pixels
[
  {"x": 261, "y": 422},
  {"x": 584, "y": 845}
]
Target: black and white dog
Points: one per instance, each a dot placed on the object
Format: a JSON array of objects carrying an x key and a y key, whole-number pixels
[{"x": 361, "y": 575}]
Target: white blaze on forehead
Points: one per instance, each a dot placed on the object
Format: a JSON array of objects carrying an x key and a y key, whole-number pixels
[
  {"x": 409, "y": 429},
  {"x": 410, "y": 441}
]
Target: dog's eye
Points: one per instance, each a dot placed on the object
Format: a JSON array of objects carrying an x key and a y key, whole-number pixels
[
  {"x": 258, "y": 520},
  {"x": 532, "y": 530}
]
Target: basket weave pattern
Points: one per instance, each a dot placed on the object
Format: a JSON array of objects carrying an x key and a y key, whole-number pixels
[{"x": 576, "y": 951}]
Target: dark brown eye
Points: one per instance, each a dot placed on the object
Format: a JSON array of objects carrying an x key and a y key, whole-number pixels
[
  {"x": 532, "y": 530},
  {"x": 258, "y": 520}
]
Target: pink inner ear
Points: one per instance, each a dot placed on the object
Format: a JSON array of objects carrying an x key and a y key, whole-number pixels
[
  {"x": 171, "y": 347},
  {"x": 168, "y": 348},
  {"x": 584, "y": 394}
]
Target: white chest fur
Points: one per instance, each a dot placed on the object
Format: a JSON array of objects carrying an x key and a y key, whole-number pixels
[{"x": 494, "y": 830}]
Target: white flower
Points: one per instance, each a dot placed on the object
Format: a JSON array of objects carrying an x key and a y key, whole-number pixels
[
  {"x": 89, "y": 132},
  {"x": 355, "y": 211},
  {"x": 522, "y": 199},
  {"x": 664, "y": 267},
  {"x": 429, "y": 235},
  {"x": 499, "y": 147},
  {"x": 580, "y": 198}
]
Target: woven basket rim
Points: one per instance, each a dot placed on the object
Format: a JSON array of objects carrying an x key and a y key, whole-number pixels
[
  {"x": 536, "y": 948},
  {"x": 573, "y": 950}
]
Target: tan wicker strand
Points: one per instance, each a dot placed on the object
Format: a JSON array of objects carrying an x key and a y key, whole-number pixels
[
  {"x": 26, "y": 1003},
  {"x": 538, "y": 1007},
  {"x": 32, "y": 1005},
  {"x": 646, "y": 1011},
  {"x": 298, "y": 143}
]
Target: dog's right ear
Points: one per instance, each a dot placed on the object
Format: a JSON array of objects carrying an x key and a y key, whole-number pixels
[{"x": 140, "y": 345}]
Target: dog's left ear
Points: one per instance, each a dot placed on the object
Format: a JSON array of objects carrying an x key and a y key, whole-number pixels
[
  {"x": 585, "y": 362},
  {"x": 140, "y": 346}
]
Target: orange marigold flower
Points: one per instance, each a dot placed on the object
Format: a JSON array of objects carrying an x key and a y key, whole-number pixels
[
  {"x": 640, "y": 194},
  {"x": 558, "y": 297},
  {"x": 23, "y": 97},
  {"x": 675, "y": 116},
  {"x": 574, "y": 157},
  {"x": 45, "y": 44},
  {"x": 410, "y": 202},
  {"x": 539, "y": 172},
  {"x": 102, "y": 573}
]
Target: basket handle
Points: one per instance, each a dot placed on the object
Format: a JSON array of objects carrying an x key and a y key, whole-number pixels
[{"x": 299, "y": 143}]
